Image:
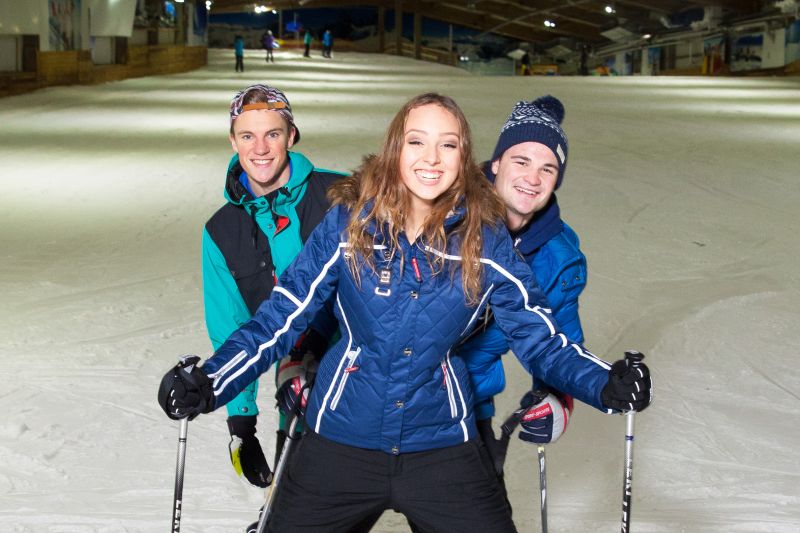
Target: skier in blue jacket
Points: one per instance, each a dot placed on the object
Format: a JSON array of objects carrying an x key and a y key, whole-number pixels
[
  {"x": 327, "y": 43},
  {"x": 410, "y": 255},
  {"x": 238, "y": 49},
  {"x": 526, "y": 168}
]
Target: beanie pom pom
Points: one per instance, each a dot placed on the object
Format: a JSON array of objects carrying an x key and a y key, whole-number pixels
[{"x": 552, "y": 106}]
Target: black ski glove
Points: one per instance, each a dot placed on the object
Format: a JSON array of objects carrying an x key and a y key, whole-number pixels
[
  {"x": 185, "y": 390},
  {"x": 247, "y": 456},
  {"x": 629, "y": 388}
]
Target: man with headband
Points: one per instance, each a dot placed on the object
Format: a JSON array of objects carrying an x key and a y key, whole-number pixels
[{"x": 275, "y": 198}]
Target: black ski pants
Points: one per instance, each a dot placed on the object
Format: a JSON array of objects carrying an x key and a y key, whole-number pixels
[{"x": 330, "y": 487}]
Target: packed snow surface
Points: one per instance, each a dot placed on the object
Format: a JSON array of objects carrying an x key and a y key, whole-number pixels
[{"x": 684, "y": 191}]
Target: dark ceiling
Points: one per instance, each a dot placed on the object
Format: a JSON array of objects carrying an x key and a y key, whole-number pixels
[{"x": 581, "y": 20}]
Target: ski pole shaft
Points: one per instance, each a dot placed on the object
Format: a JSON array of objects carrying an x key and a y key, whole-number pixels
[
  {"x": 633, "y": 358},
  {"x": 177, "y": 502},
  {"x": 279, "y": 468},
  {"x": 543, "y": 487}
]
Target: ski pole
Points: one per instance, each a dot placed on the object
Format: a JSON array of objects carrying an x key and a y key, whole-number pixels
[
  {"x": 291, "y": 437},
  {"x": 506, "y": 430},
  {"x": 177, "y": 501},
  {"x": 542, "y": 487},
  {"x": 633, "y": 358},
  {"x": 295, "y": 414}
]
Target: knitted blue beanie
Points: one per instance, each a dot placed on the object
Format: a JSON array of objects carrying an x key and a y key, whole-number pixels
[{"x": 538, "y": 121}]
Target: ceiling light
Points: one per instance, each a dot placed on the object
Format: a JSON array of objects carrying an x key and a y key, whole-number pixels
[
  {"x": 610, "y": 10},
  {"x": 549, "y": 23}
]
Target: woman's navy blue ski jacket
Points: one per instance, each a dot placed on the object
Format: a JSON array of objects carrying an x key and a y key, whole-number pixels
[{"x": 391, "y": 382}]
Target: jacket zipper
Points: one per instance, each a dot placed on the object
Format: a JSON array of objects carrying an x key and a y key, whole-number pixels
[
  {"x": 351, "y": 355},
  {"x": 448, "y": 385}
]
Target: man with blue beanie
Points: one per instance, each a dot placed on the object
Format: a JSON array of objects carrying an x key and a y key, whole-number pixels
[{"x": 527, "y": 167}]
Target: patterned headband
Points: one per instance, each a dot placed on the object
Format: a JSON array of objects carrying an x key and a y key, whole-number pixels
[{"x": 275, "y": 101}]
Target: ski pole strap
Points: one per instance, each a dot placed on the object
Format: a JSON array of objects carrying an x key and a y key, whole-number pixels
[{"x": 509, "y": 426}]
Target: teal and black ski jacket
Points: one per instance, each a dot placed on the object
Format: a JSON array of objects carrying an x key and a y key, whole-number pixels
[{"x": 249, "y": 242}]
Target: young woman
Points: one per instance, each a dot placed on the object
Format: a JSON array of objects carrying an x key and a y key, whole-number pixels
[{"x": 411, "y": 253}]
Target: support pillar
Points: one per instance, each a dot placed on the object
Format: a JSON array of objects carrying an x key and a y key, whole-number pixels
[
  {"x": 417, "y": 31},
  {"x": 398, "y": 26},
  {"x": 381, "y": 29}
]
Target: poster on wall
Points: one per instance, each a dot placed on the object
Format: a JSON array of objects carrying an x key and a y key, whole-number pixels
[
  {"x": 713, "y": 54},
  {"x": 65, "y": 24},
  {"x": 200, "y": 21},
  {"x": 793, "y": 42},
  {"x": 746, "y": 51}
]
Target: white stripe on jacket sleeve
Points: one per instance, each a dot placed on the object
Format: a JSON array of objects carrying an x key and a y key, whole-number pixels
[{"x": 220, "y": 387}]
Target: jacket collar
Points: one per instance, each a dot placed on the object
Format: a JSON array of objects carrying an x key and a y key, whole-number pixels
[
  {"x": 289, "y": 194},
  {"x": 544, "y": 225}
]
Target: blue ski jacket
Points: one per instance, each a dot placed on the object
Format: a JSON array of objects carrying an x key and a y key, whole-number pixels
[
  {"x": 559, "y": 267},
  {"x": 391, "y": 382}
]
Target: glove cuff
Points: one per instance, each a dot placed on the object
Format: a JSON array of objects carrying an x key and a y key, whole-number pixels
[{"x": 242, "y": 426}]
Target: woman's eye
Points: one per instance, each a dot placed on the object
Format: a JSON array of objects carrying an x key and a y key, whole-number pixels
[{"x": 450, "y": 146}]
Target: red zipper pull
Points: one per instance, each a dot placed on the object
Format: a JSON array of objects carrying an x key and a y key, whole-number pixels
[{"x": 417, "y": 273}]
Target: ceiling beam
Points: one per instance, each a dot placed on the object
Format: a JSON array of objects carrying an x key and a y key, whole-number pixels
[{"x": 511, "y": 19}]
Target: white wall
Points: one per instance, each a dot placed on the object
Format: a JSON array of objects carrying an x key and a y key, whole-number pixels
[
  {"x": 689, "y": 54},
  {"x": 102, "y": 50},
  {"x": 23, "y": 17},
  {"x": 9, "y": 52},
  {"x": 111, "y": 18},
  {"x": 773, "y": 54},
  {"x": 644, "y": 67}
]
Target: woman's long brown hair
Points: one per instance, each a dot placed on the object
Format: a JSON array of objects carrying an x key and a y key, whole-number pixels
[{"x": 378, "y": 178}]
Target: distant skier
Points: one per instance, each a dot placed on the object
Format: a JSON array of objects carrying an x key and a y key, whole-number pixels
[
  {"x": 268, "y": 42},
  {"x": 238, "y": 48},
  {"x": 327, "y": 43},
  {"x": 526, "y": 64},
  {"x": 307, "y": 43}
]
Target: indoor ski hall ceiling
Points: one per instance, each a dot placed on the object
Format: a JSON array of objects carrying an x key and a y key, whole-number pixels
[{"x": 594, "y": 22}]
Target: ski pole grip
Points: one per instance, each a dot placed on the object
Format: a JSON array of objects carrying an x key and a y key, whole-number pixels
[{"x": 633, "y": 358}]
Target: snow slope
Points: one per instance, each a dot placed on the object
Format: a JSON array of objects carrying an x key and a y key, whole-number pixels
[{"x": 684, "y": 192}]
